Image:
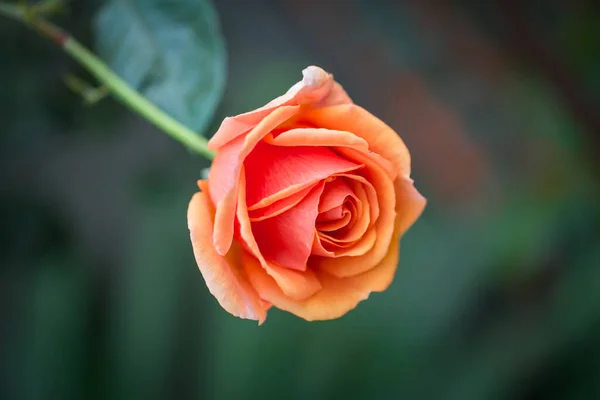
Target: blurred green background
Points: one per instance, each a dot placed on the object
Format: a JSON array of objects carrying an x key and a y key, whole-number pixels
[{"x": 497, "y": 295}]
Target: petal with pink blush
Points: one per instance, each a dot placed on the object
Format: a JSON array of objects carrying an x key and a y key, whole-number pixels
[
  {"x": 225, "y": 174},
  {"x": 317, "y": 88},
  {"x": 275, "y": 169},
  {"x": 333, "y": 213},
  {"x": 287, "y": 238},
  {"x": 225, "y": 278},
  {"x": 333, "y": 224},
  {"x": 293, "y": 191},
  {"x": 295, "y": 284},
  {"x": 279, "y": 206}
]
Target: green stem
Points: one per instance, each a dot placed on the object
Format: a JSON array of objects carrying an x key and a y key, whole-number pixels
[{"x": 117, "y": 86}]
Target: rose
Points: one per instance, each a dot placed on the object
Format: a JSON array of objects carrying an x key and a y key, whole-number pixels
[{"x": 304, "y": 207}]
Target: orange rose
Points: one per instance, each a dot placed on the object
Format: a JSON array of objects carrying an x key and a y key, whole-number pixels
[{"x": 305, "y": 204}]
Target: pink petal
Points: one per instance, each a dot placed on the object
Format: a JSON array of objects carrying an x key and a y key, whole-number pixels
[
  {"x": 295, "y": 284},
  {"x": 287, "y": 238},
  {"x": 280, "y": 205},
  {"x": 333, "y": 214},
  {"x": 225, "y": 175},
  {"x": 272, "y": 169}
]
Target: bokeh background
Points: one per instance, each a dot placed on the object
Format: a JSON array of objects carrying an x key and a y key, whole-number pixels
[{"x": 497, "y": 295}]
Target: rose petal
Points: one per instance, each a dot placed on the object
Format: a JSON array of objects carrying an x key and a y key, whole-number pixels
[
  {"x": 346, "y": 250},
  {"x": 287, "y": 238},
  {"x": 317, "y": 87},
  {"x": 333, "y": 214},
  {"x": 358, "y": 227},
  {"x": 330, "y": 240},
  {"x": 224, "y": 276},
  {"x": 333, "y": 224},
  {"x": 337, "y": 297},
  {"x": 410, "y": 204},
  {"x": 225, "y": 172},
  {"x": 318, "y": 137},
  {"x": 295, "y": 284},
  {"x": 334, "y": 194},
  {"x": 318, "y": 249},
  {"x": 280, "y": 205},
  {"x": 323, "y": 247},
  {"x": 293, "y": 191},
  {"x": 225, "y": 166},
  {"x": 370, "y": 192},
  {"x": 275, "y": 169},
  {"x": 382, "y": 139},
  {"x": 333, "y": 199},
  {"x": 386, "y": 197}
]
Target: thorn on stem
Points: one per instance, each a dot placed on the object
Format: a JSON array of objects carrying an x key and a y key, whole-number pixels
[{"x": 91, "y": 95}]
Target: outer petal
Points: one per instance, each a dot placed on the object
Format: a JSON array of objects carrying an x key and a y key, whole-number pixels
[
  {"x": 410, "y": 204},
  {"x": 337, "y": 297},
  {"x": 316, "y": 88},
  {"x": 225, "y": 175},
  {"x": 224, "y": 276},
  {"x": 382, "y": 139}
]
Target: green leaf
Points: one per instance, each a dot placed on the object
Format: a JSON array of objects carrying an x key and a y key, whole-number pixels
[{"x": 171, "y": 51}]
